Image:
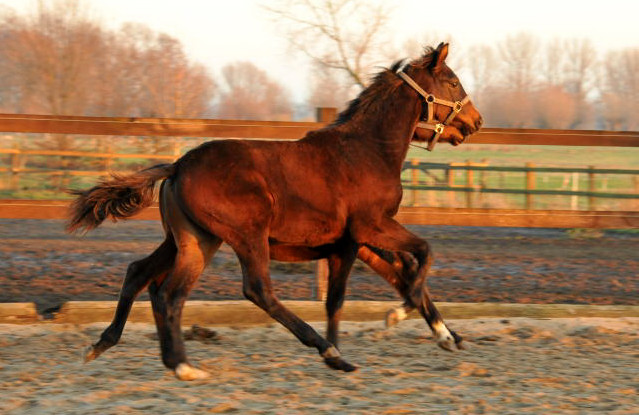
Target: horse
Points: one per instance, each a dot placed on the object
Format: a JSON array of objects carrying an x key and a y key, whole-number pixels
[{"x": 331, "y": 194}]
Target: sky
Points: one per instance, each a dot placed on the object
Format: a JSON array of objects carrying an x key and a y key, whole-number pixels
[{"x": 216, "y": 32}]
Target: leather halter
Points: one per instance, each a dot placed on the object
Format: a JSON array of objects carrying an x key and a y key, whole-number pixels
[{"x": 430, "y": 122}]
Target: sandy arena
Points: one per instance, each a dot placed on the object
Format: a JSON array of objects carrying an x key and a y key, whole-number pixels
[{"x": 512, "y": 366}]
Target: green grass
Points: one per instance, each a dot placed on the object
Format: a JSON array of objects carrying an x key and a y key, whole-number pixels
[{"x": 558, "y": 156}]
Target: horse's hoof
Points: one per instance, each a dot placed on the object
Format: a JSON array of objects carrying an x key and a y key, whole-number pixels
[
  {"x": 394, "y": 316},
  {"x": 89, "y": 354},
  {"x": 391, "y": 318},
  {"x": 185, "y": 371},
  {"x": 459, "y": 341},
  {"x": 338, "y": 363},
  {"x": 447, "y": 343}
]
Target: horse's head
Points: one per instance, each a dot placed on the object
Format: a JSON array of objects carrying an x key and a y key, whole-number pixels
[{"x": 447, "y": 112}]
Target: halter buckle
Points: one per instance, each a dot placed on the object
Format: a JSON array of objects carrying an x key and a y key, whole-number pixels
[
  {"x": 458, "y": 106},
  {"x": 439, "y": 128}
]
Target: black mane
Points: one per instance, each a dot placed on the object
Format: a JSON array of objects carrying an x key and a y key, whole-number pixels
[{"x": 383, "y": 84}]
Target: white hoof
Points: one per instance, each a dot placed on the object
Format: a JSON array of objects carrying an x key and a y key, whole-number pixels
[{"x": 185, "y": 371}]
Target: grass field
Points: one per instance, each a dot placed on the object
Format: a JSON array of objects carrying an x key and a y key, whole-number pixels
[{"x": 557, "y": 156}]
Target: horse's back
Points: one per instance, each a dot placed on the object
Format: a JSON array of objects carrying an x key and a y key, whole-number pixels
[{"x": 289, "y": 189}]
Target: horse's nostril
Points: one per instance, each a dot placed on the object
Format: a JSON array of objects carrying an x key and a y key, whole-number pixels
[{"x": 479, "y": 122}]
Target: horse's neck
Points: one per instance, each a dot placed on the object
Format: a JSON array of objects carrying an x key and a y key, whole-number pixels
[{"x": 389, "y": 134}]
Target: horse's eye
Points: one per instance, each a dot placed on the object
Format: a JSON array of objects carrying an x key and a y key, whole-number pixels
[{"x": 454, "y": 84}]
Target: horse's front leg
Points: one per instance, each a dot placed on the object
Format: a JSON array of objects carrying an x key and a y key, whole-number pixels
[
  {"x": 409, "y": 280},
  {"x": 254, "y": 259},
  {"x": 339, "y": 268}
]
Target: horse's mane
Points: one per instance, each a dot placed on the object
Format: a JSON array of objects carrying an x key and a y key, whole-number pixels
[{"x": 383, "y": 84}]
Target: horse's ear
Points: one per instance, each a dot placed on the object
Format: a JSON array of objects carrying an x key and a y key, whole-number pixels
[{"x": 440, "y": 55}]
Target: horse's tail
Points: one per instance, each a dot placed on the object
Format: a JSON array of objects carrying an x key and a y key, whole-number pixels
[{"x": 118, "y": 197}]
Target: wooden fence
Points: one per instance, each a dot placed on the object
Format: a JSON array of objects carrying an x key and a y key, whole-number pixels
[
  {"x": 52, "y": 209},
  {"x": 292, "y": 130},
  {"x": 446, "y": 182}
]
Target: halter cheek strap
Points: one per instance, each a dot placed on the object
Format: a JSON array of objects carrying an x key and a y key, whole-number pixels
[{"x": 431, "y": 123}]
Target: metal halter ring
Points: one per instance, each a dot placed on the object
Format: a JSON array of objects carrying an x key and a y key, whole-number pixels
[
  {"x": 430, "y": 98},
  {"x": 458, "y": 106},
  {"x": 439, "y": 128}
]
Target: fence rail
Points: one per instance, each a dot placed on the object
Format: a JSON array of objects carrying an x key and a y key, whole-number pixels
[
  {"x": 58, "y": 209},
  {"x": 58, "y": 124},
  {"x": 529, "y": 182}
]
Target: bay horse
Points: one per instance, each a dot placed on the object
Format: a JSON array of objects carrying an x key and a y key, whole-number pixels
[{"x": 331, "y": 194}]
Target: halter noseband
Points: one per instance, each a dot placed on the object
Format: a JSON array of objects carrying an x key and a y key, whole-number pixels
[{"x": 431, "y": 123}]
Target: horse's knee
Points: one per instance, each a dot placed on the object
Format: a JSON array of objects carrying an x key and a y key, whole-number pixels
[{"x": 423, "y": 253}]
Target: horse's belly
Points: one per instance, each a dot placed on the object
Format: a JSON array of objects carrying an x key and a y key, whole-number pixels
[
  {"x": 307, "y": 230},
  {"x": 295, "y": 253}
]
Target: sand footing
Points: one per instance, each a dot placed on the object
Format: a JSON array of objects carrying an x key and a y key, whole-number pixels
[{"x": 511, "y": 365}]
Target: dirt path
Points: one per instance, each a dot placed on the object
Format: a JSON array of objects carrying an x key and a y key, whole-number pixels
[
  {"x": 41, "y": 264},
  {"x": 511, "y": 367}
]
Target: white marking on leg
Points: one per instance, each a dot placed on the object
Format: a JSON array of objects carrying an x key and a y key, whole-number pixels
[
  {"x": 185, "y": 371},
  {"x": 401, "y": 314},
  {"x": 442, "y": 334},
  {"x": 331, "y": 352},
  {"x": 395, "y": 315}
]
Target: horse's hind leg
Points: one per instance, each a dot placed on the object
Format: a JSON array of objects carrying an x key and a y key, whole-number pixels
[
  {"x": 138, "y": 276},
  {"x": 254, "y": 259},
  {"x": 169, "y": 295},
  {"x": 396, "y": 268}
]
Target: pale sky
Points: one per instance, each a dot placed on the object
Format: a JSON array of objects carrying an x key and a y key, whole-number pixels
[{"x": 216, "y": 32}]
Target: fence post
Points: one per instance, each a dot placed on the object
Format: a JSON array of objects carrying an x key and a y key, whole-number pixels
[
  {"x": 530, "y": 185},
  {"x": 414, "y": 181},
  {"x": 591, "y": 188},
  {"x": 325, "y": 115},
  {"x": 15, "y": 168},
  {"x": 450, "y": 180},
  {"x": 574, "y": 199},
  {"x": 321, "y": 274},
  {"x": 470, "y": 174},
  {"x": 108, "y": 160},
  {"x": 482, "y": 182},
  {"x": 15, "y": 163}
]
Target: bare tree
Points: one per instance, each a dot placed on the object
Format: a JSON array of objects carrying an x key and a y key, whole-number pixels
[
  {"x": 328, "y": 89},
  {"x": 519, "y": 58},
  {"x": 620, "y": 89},
  {"x": 554, "y": 107},
  {"x": 173, "y": 86},
  {"x": 342, "y": 35},
  {"x": 504, "y": 107},
  {"x": 57, "y": 60},
  {"x": 50, "y": 57},
  {"x": 482, "y": 64},
  {"x": 249, "y": 93}
]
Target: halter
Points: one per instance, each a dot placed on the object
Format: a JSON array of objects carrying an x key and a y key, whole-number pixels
[{"x": 431, "y": 123}]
